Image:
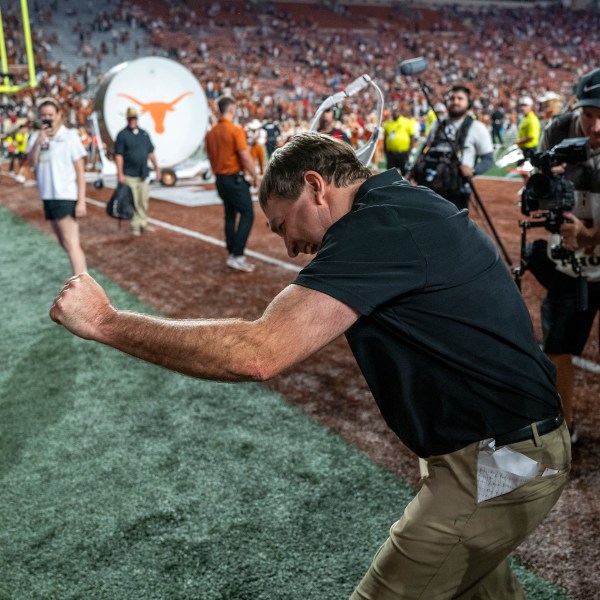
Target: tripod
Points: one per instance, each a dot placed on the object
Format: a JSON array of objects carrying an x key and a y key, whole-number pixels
[
  {"x": 551, "y": 222},
  {"x": 468, "y": 180}
]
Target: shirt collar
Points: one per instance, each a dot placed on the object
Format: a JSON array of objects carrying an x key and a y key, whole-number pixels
[{"x": 389, "y": 177}]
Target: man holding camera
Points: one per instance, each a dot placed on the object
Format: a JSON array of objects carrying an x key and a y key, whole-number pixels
[
  {"x": 457, "y": 148},
  {"x": 566, "y": 325}
]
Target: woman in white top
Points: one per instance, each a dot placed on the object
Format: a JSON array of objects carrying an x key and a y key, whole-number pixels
[{"x": 57, "y": 154}]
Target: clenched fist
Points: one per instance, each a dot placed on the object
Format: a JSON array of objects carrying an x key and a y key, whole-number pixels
[{"x": 82, "y": 307}]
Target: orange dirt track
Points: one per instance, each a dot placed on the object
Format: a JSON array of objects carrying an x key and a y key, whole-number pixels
[{"x": 185, "y": 277}]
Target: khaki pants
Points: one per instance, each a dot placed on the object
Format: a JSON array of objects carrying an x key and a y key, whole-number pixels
[
  {"x": 447, "y": 546},
  {"x": 139, "y": 188}
]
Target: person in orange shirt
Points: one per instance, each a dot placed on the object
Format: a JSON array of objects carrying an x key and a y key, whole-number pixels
[
  {"x": 228, "y": 154},
  {"x": 257, "y": 138}
]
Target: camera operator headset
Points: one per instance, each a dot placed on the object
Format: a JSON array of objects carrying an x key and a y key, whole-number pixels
[
  {"x": 566, "y": 325},
  {"x": 456, "y": 149}
]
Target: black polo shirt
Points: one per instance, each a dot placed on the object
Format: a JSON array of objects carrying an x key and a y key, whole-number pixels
[
  {"x": 444, "y": 340},
  {"x": 134, "y": 148}
]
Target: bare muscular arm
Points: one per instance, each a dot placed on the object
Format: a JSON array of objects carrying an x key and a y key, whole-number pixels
[
  {"x": 80, "y": 208},
  {"x": 119, "y": 163},
  {"x": 297, "y": 323}
]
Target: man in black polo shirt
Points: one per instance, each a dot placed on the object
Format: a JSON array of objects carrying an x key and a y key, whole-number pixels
[
  {"x": 441, "y": 334},
  {"x": 133, "y": 149}
]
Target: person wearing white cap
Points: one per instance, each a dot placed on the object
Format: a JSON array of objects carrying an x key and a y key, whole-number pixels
[
  {"x": 551, "y": 104},
  {"x": 529, "y": 128}
]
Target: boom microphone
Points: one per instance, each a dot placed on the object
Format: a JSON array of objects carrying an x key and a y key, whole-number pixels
[
  {"x": 354, "y": 87},
  {"x": 358, "y": 84},
  {"x": 364, "y": 153},
  {"x": 413, "y": 66}
]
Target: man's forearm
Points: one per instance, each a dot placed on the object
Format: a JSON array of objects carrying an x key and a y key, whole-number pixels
[
  {"x": 221, "y": 350},
  {"x": 248, "y": 164},
  {"x": 296, "y": 324},
  {"x": 80, "y": 174},
  {"x": 34, "y": 154},
  {"x": 119, "y": 163},
  {"x": 154, "y": 162},
  {"x": 588, "y": 236},
  {"x": 486, "y": 162}
]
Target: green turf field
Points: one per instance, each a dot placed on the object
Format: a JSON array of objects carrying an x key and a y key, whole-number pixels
[{"x": 124, "y": 481}]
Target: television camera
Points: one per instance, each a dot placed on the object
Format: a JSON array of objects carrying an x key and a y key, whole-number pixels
[{"x": 547, "y": 196}]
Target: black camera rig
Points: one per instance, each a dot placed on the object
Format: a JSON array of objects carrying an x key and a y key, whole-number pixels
[{"x": 546, "y": 198}]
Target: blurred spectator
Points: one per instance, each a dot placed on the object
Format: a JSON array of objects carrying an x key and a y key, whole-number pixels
[
  {"x": 551, "y": 104},
  {"x": 227, "y": 151},
  {"x": 399, "y": 138},
  {"x": 56, "y": 154},
  {"x": 439, "y": 109},
  {"x": 19, "y": 155},
  {"x": 257, "y": 138},
  {"x": 273, "y": 132},
  {"x": 528, "y": 129},
  {"x": 133, "y": 150},
  {"x": 328, "y": 125},
  {"x": 497, "y": 118}
]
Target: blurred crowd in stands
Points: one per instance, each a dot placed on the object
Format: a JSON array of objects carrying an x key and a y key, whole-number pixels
[{"x": 281, "y": 60}]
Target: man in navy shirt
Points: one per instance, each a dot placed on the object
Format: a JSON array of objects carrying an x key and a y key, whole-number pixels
[
  {"x": 133, "y": 149},
  {"x": 441, "y": 335}
]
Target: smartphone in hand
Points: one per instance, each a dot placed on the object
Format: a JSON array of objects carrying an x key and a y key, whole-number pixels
[{"x": 47, "y": 125}]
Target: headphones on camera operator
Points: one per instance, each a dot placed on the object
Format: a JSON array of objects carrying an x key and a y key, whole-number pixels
[
  {"x": 437, "y": 169},
  {"x": 459, "y": 88},
  {"x": 414, "y": 66}
]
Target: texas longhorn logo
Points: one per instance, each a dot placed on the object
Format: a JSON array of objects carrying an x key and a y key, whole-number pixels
[{"x": 157, "y": 110}]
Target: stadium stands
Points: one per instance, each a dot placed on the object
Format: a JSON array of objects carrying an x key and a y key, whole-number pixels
[{"x": 280, "y": 59}]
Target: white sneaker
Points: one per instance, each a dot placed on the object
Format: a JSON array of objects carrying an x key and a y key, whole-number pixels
[
  {"x": 239, "y": 263},
  {"x": 574, "y": 433}
]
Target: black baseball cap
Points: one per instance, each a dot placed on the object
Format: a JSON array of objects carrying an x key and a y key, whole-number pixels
[{"x": 588, "y": 89}]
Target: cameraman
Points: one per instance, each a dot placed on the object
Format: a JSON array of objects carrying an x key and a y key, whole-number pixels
[
  {"x": 565, "y": 326},
  {"x": 456, "y": 149}
]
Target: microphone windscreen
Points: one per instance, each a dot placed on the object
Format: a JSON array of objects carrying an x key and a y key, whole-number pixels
[{"x": 412, "y": 66}]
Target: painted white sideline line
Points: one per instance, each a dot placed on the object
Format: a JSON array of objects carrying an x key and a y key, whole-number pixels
[
  {"x": 585, "y": 364},
  {"x": 214, "y": 241}
]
